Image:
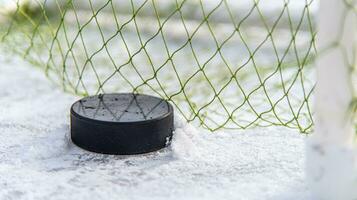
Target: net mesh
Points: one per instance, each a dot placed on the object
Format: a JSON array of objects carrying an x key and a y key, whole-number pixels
[{"x": 223, "y": 64}]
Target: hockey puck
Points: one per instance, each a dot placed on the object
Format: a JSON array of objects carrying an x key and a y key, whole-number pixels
[{"x": 121, "y": 124}]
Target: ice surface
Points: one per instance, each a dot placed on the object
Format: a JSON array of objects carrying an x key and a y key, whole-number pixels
[{"x": 38, "y": 161}]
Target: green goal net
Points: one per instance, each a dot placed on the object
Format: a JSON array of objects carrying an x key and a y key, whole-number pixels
[{"x": 223, "y": 64}]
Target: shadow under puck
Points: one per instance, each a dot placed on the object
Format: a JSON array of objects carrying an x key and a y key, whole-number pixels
[{"x": 123, "y": 123}]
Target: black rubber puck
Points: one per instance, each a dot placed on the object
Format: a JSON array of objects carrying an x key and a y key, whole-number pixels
[{"x": 121, "y": 123}]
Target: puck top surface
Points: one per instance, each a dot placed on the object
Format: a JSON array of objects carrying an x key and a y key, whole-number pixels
[{"x": 123, "y": 108}]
